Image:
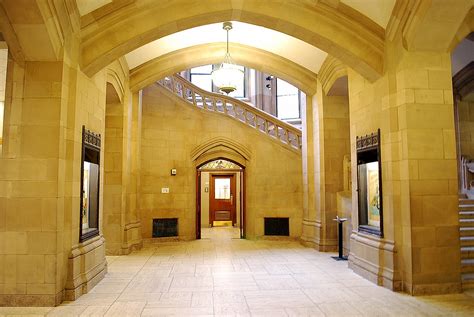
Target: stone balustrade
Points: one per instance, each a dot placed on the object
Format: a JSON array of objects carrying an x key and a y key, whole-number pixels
[{"x": 281, "y": 131}]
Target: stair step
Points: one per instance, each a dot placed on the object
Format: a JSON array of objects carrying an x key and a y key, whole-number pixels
[
  {"x": 466, "y": 214},
  {"x": 467, "y": 241},
  {"x": 466, "y": 222},
  {"x": 466, "y": 206},
  {"x": 466, "y": 231},
  {"x": 467, "y": 252},
  {"x": 467, "y": 266},
  {"x": 468, "y": 277},
  {"x": 468, "y": 285},
  {"x": 465, "y": 202}
]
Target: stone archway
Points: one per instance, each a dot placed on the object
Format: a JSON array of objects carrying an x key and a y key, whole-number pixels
[
  {"x": 198, "y": 55},
  {"x": 228, "y": 150},
  {"x": 340, "y": 31}
]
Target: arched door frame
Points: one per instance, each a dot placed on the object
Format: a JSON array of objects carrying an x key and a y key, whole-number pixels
[{"x": 242, "y": 189}]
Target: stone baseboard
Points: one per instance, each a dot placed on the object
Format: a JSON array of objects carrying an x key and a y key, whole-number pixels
[
  {"x": 432, "y": 289},
  {"x": 134, "y": 238},
  {"x": 377, "y": 264},
  {"x": 312, "y": 237},
  {"x": 371, "y": 272},
  {"x": 87, "y": 266},
  {"x": 30, "y": 300}
]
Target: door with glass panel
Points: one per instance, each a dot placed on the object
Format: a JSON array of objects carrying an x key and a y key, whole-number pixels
[{"x": 222, "y": 200}]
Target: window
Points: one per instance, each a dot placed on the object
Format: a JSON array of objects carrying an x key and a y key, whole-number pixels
[
  {"x": 202, "y": 77},
  {"x": 287, "y": 100},
  {"x": 90, "y": 170},
  {"x": 222, "y": 188},
  {"x": 240, "y": 91}
]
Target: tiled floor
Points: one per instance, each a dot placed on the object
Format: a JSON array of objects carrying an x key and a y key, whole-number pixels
[{"x": 221, "y": 275}]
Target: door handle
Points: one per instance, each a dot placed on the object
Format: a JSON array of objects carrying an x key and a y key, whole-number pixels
[{"x": 231, "y": 199}]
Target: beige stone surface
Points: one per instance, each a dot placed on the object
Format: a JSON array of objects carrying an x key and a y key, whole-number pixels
[
  {"x": 272, "y": 174},
  {"x": 57, "y": 72},
  {"x": 256, "y": 278},
  {"x": 358, "y": 42}
]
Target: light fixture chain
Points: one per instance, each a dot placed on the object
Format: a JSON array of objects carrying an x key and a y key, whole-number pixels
[{"x": 227, "y": 49}]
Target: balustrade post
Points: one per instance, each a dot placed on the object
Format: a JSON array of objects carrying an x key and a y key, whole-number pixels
[
  {"x": 193, "y": 93},
  {"x": 255, "y": 114},
  {"x": 224, "y": 104},
  {"x": 173, "y": 85}
]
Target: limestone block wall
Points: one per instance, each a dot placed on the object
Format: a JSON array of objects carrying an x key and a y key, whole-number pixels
[
  {"x": 83, "y": 264},
  {"x": 113, "y": 165},
  {"x": 121, "y": 224},
  {"x": 344, "y": 210},
  {"x": 46, "y": 105},
  {"x": 336, "y": 145},
  {"x": 170, "y": 132},
  {"x": 412, "y": 105},
  {"x": 326, "y": 141}
]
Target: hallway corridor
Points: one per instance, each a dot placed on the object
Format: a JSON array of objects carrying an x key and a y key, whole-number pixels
[{"x": 227, "y": 276}]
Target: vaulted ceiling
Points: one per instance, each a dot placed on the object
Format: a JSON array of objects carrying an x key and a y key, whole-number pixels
[{"x": 289, "y": 47}]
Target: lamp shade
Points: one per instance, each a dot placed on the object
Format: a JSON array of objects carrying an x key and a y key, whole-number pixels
[{"x": 227, "y": 77}]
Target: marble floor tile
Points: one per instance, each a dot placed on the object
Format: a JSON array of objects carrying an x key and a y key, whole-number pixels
[
  {"x": 122, "y": 309},
  {"x": 223, "y": 276},
  {"x": 191, "y": 283},
  {"x": 94, "y": 311},
  {"x": 277, "y": 299},
  {"x": 276, "y": 282}
]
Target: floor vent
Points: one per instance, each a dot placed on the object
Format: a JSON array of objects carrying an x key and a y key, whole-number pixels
[
  {"x": 277, "y": 227},
  {"x": 165, "y": 227}
]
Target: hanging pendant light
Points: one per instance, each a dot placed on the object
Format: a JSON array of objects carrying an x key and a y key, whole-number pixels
[{"x": 227, "y": 76}]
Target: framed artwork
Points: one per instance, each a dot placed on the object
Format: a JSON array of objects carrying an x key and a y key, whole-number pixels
[
  {"x": 90, "y": 176},
  {"x": 369, "y": 184}
]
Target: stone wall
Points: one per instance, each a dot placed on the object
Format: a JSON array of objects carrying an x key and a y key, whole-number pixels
[
  {"x": 172, "y": 130},
  {"x": 412, "y": 105}
]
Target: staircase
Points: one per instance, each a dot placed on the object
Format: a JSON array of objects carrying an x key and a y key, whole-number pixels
[
  {"x": 466, "y": 230},
  {"x": 282, "y": 132}
]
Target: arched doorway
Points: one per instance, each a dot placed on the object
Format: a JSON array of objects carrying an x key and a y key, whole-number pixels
[{"x": 220, "y": 195}]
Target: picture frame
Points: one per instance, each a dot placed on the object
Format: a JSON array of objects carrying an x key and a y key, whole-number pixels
[
  {"x": 369, "y": 184},
  {"x": 90, "y": 185}
]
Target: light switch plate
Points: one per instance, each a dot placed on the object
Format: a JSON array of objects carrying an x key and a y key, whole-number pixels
[{"x": 165, "y": 190}]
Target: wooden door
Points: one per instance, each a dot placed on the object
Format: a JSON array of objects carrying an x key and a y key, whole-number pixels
[{"x": 222, "y": 199}]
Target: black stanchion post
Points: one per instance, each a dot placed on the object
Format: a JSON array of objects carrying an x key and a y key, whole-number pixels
[{"x": 340, "y": 221}]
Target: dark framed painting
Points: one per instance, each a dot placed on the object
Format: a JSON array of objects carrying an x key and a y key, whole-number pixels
[
  {"x": 369, "y": 184},
  {"x": 90, "y": 184}
]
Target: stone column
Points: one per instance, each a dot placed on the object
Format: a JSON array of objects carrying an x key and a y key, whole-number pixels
[
  {"x": 308, "y": 152},
  {"x": 412, "y": 105},
  {"x": 133, "y": 236},
  {"x": 32, "y": 192},
  {"x": 428, "y": 168}
]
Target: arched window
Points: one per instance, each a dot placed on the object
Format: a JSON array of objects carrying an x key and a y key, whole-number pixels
[{"x": 287, "y": 100}]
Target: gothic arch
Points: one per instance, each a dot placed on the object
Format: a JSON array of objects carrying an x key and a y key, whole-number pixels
[
  {"x": 220, "y": 147},
  {"x": 340, "y": 31},
  {"x": 198, "y": 55}
]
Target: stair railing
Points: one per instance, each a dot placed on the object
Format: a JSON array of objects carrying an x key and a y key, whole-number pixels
[{"x": 281, "y": 131}]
